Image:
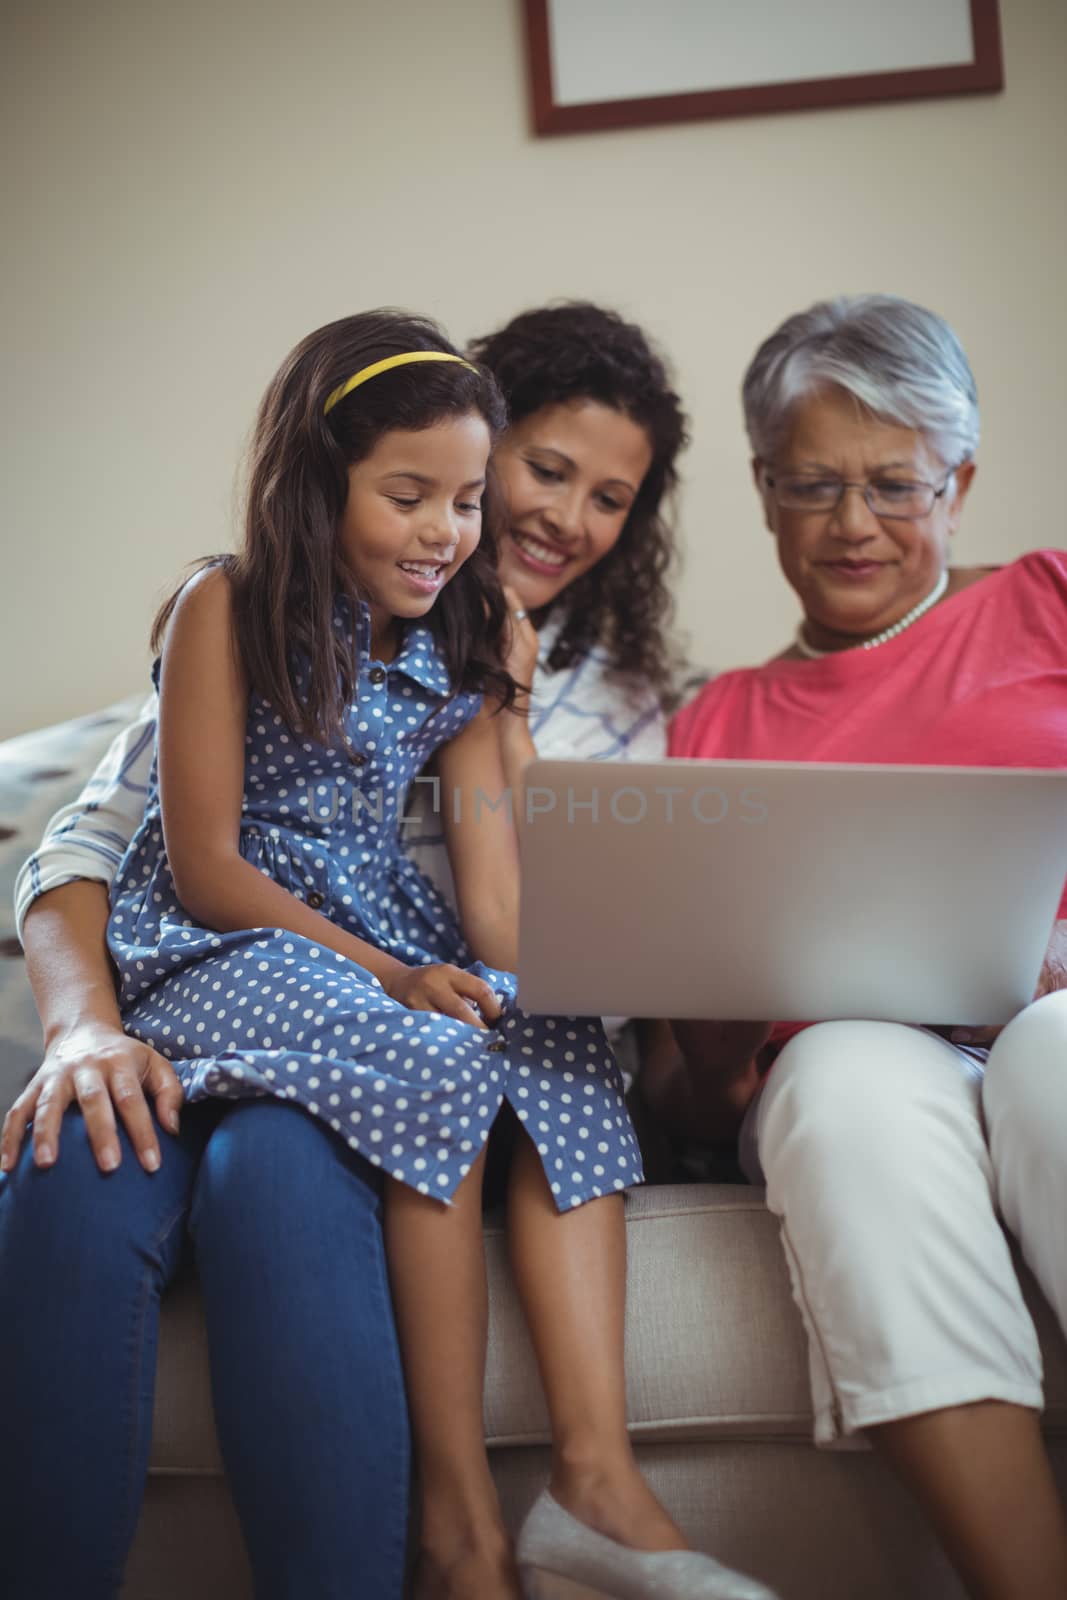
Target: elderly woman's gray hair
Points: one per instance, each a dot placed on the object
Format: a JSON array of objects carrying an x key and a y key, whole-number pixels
[{"x": 902, "y": 362}]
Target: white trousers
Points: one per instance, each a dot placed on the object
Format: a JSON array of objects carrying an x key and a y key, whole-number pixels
[{"x": 888, "y": 1156}]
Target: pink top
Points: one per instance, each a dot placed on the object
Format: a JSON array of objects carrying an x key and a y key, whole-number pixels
[{"x": 979, "y": 681}]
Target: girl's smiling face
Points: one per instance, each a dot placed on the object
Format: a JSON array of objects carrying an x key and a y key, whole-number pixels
[
  {"x": 412, "y": 518},
  {"x": 570, "y": 474}
]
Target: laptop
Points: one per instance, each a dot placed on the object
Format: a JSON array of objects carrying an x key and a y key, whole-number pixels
[{"x": 787, "y": 891}]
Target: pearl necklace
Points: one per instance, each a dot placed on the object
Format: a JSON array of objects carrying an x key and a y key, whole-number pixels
[{"x": 809, "y": 652}]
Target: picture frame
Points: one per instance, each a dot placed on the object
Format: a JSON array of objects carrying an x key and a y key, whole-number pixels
[{"x": 918, "y": 50}]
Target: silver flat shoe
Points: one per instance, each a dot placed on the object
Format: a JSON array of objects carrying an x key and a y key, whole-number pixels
[{"x": 559, "y": 1558}]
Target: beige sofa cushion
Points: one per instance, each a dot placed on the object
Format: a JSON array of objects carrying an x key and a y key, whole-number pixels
[{"x": 715, "y": 1348}]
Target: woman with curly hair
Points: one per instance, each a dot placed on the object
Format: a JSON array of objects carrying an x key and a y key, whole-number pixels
[
  {"x": 575, "y": 372},
  {"x": 587, "y": 469}
]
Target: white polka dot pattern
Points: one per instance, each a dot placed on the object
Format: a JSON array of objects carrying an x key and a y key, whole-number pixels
[{"x": 264, "y": 1011}]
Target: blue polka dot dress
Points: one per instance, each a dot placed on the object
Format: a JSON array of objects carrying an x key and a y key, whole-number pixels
[{"x": 263, "y": 1011}]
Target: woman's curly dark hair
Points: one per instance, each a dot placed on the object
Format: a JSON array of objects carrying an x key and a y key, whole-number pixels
[{"x": 578, "y": 351}]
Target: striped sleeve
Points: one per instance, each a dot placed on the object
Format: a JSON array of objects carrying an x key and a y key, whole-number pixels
[
  {"x": 89, "y": 837},
  {"x": 587, "y": 713}
]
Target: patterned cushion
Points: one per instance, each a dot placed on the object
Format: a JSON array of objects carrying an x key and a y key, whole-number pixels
[{"x": 39, "y": 772}]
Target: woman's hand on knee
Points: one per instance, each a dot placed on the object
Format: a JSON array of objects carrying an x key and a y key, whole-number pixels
[{"x": 102, "y": 1070}]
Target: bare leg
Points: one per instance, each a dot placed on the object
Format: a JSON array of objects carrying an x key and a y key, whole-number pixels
[
  {"x": 437, "y": 1271},
  {"x": 570, "y": 1270},
  {"x": 981, "y": 1474}
]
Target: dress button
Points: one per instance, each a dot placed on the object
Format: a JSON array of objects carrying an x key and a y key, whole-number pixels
[
  {"x": 316, "y": 900},
  {"x": 358, "y": 759},
  {"x": 497, "y": 1044},
  {"x": 377, "y": 674}
]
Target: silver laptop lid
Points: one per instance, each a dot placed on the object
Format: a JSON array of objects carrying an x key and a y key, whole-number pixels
[{"x": 787, "y": 891}]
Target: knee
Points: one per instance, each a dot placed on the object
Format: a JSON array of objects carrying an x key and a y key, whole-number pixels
[
  {"x": 844, "y": 1100},
  {"x": 38, "y": 1204},
  {"x": 1026, "y": 1076},
  {"x": 270, "y": 1164},
  {"x": 831, "y": 1077},
  {"x": 72, "y": 1221},
  {"x": 1033, "y": 1044}
]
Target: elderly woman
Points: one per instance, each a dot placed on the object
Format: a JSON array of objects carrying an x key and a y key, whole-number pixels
[{"x": 888, "y": 1150}]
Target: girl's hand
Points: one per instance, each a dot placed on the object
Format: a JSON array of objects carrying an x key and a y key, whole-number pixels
[
  {"x": 104, "y": 1071},
  {"x": 523, "y": 643},
  {"x": 446, "y": 989}
]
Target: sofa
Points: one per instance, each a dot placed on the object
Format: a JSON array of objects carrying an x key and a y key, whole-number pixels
[{"x": 717, "y": 1373}]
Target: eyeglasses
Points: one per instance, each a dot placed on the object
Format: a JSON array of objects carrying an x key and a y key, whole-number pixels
[{"x": 901, "y": 498}]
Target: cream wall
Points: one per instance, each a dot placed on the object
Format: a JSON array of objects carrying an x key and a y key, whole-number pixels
[{"x": 190, "y": 188}]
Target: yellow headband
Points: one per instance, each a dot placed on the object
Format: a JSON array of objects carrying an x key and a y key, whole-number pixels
[{"x": 383, "y": 366}]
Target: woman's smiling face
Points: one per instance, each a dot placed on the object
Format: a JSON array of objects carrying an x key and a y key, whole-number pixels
[
  {"x": 857, "y": 573},
  {"x": 570, "y": 474}
]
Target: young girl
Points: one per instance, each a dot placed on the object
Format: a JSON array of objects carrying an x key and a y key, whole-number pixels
[{"x": 272, "y": 938}]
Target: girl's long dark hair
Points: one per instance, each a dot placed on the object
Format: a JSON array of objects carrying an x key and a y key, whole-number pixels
[
  {"x": 579, "y": 351},
  {"x": 287, "y": 573}
]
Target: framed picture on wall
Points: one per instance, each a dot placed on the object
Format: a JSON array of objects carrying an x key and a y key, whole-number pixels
[{"x": 628, "y": 63}]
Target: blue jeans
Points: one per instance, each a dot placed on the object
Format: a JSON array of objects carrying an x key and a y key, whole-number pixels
[{"x": 284, "y": 1222}]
